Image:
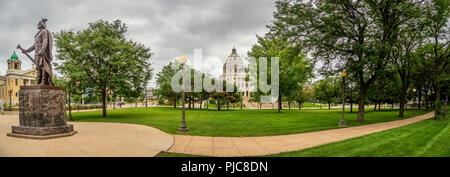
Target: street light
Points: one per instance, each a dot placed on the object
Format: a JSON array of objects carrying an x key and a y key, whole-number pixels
[
  {"x": 183, "y": 128},
  {"x": 342, "y": 122},
  {"x": 70, "y": 106}
]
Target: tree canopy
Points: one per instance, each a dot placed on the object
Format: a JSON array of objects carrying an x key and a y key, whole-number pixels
[{"x": 102, "y": 59}]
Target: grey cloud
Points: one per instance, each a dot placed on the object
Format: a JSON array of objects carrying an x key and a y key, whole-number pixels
[{"x": 169, "y": 27}]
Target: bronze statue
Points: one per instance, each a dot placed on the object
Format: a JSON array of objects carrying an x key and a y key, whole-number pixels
[{"x": 43, "y": 43}]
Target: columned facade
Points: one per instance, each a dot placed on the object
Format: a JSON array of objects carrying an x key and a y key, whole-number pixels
[{"x": 234, "y": 72}]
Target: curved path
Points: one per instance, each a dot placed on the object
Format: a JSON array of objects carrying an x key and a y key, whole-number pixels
[
  {"x": 92, "y": 140},
  {"x": 252, "y": 146}
]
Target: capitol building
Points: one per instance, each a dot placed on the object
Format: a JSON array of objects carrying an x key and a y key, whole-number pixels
[{"x": 234, "y": 71}]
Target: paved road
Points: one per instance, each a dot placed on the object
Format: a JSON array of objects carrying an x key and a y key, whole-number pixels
[
  {"x": 92, "y": 140},
  {"x": 253, "y": 146}
]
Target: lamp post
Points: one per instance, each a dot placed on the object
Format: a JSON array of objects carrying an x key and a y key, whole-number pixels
[
  {"x": 70, "y": 105},
  {"x": 10, "y": 100},
  {"x": 342, "y": 122},
  {"x": 183, "y": 128}
]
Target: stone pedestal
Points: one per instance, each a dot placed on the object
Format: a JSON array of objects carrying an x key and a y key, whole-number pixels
[{"x": 42, "y": 113}]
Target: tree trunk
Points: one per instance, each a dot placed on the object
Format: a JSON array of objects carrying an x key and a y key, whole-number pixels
[
  {"x": 104, "y": 102},
  {"x": 289, "y": 104},
  {"x": 120, "y": 98},
  {"x": 299, "y": 106},
  {"x": 402, "y": 100},
  {"x": 113, "y": 102},
  {"x": 351, "y": 106},
  {"x": 437, "y": 107},
  {"x": 190, "y": 102},
  {"x": 329, "y": 105},
  {"x": 448, "y": 100},
  {"x": 201, "y": 103},
  {"x": 361, "y": 102},
  {"x": 242, "y": 99},
  {"x": 280, "y": 104},
  {"x": 218, "y": 105},
  {"x": 420, "y": 97},
  {"x": 379, "y": 106},
  {"x": 375, "y": 107},
  {"x": 426, "y": 97},
  {"x": 175, "y": 103}
]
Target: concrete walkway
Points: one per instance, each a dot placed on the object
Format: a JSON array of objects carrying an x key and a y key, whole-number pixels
[
  {"x": 253, "y": 146},
  {"x": 92, "y": 140}
]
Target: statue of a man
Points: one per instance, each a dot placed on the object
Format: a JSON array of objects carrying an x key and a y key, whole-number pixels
[{"x": 43, "y": 43}]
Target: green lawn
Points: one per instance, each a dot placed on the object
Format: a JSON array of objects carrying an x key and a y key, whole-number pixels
[
  {"x": 237, "y": 122},
  {"x": 428, "y": 138},
  {"x": 314, "y": 105}
]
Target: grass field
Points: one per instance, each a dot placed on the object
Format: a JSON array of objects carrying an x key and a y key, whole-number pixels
[
  {"x": 314, "y": 105},
  {"x": 428, "y": 138},
  {"x": 238, "y": 122}
]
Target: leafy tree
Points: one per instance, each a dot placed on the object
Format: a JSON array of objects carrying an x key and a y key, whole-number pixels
[
  {"x": 225, "y": 97},
  {"x": 294, "y": 69},
  {"x": 327, "y": 90},
  {"x": 204, "y": 95},
  {"x": 404, "y": 59},
  {"x": 219, "y": 98},
  {"x": 351, "y": 36},
  {"x": 351, "y": 92},
  {"x": 423, "y": 77},
  {"x": 303, "y": 95},
  {"x": 386, "y": 89},
  {"x": 232, "y": 97},
  {"x": 438, "y": 30},
  {"x": 163, "y": 81},
  {"x": 101, "y": 58},
  {"x": 256, "y": 97}
]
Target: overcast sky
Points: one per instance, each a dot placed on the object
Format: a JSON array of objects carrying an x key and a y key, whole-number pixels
[{"x": 169, "y": 27}]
